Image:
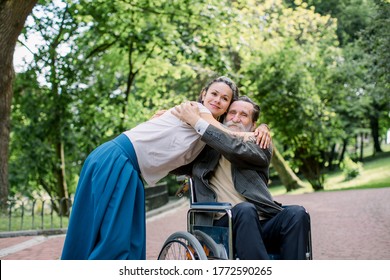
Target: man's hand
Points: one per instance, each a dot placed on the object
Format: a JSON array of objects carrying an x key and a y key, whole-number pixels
[
  {"x": 187, "y": 112},
  {"x": 263, "y": 136}
]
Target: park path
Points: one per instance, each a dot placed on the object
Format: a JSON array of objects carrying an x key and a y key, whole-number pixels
[{"x": 346, "y": 225}]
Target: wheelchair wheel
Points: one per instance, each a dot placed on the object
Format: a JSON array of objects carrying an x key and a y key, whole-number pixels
[
  {"x": 182, "y": 245},
  {"x": 212, "y": 249}
]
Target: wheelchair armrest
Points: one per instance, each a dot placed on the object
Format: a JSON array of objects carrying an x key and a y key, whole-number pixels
[{"x": 211, "y": 206}]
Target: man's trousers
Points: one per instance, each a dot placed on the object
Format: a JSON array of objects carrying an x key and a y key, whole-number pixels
[{"x": 286, "y": 234}]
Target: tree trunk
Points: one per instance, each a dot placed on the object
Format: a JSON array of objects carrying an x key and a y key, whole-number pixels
[
  {"x": 289, "y": 179},
  {"x": 13, "y": 14},
  {"x": 311, "y": 169},
  {"x": 61, "y": 190},
  {"x": 374, "y": 123},
  {"x": 331, "y": 157},
  {"x": 344, "y": 148}
]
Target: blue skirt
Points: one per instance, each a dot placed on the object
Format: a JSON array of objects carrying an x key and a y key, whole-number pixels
[{"x": 108, "y": 215}]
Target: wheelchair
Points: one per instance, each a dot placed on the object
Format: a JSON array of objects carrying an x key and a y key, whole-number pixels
[{"x": 206, "y": 242}]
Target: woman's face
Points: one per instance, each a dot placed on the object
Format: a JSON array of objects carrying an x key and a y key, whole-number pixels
[{"x": 218, "y": 98}]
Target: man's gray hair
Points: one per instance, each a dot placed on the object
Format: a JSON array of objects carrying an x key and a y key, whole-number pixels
[{"x": 256, "y": 108}]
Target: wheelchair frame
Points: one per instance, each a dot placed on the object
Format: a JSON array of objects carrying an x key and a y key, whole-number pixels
[{"x": 199, "y": 242}]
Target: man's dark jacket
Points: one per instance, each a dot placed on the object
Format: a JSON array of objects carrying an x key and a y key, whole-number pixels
[{"x": 250, "y": 171}]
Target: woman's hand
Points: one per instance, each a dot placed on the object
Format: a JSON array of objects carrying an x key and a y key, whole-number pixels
[
  {"x": 263, "y": 136},
  {"x": 187, "y": 112}
]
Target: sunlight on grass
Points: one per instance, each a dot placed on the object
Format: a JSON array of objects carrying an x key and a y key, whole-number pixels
[{"x": 375, "y": 174}]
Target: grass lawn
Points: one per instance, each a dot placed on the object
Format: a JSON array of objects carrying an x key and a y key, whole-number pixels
[{"x": 375, "y": 174}]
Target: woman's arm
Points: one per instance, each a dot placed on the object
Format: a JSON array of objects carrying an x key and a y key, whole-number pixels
[
  {"x": 189, "y": 112},
  {"x": 262, "y": 132}
]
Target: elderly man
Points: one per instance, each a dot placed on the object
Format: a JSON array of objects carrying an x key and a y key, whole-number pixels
[{"x": 236, "y": 171}]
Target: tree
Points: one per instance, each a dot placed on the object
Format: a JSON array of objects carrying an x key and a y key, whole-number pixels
[
  {"x": 289, "y": 179},
  {"x": 43, "y": 93},
  {"x": 123, "y": 60},
  {"x": 126, "y": 59},
  {"x": 162, "y": 33},
  {"x": 375, "y": 41},
  {"x": 352, "y": 15},
  {"x": 288, "y": 76},
  {"x": 13, "y": 14},
  {"x": 250, "y": 45},
  {"x": 363, "y": 25}
]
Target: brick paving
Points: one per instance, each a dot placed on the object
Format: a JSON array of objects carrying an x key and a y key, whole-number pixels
[{"x": 346, "y": 225}]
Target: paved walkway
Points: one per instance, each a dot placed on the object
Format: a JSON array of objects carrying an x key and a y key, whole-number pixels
[{"x": 346, "y": 225}]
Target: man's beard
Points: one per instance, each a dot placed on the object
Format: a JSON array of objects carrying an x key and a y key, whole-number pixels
[{"x": 238, "y": 126}]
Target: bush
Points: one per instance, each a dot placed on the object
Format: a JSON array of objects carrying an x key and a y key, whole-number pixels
[{"x": 351, "y": 169}]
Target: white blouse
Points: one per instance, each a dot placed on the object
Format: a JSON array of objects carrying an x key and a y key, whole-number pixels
[{"x": 165, "y": 143}]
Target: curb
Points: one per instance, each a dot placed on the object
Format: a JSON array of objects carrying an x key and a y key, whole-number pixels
[
  {"x": 25, "y": 245},
  {"x": 45, "y": 232},
  {"x": 41, "y": 236}
]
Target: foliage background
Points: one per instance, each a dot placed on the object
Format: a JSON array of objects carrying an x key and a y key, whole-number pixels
[{"x": 319, "y": 70}]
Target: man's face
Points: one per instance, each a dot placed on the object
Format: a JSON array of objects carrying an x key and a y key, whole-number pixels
[{"x": 239, "y": 117}]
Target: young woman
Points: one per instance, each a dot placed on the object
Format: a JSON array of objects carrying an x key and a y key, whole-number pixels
[{"x": 108, "y": 214}]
